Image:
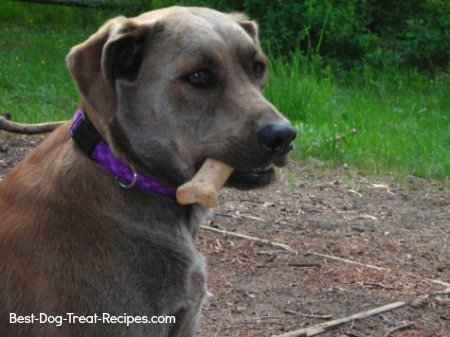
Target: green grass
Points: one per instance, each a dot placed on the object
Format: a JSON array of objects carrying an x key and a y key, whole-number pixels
[
  {"x": 376, "y": 121},
  {"x": 34, "y": 82},
  {"x": 35, "y": 85}
]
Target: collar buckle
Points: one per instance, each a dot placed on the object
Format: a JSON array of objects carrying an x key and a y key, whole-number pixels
[{"x": 84, "y": 133}]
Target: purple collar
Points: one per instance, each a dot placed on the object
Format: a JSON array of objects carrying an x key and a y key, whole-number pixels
[{"x": 89, "y": 140}]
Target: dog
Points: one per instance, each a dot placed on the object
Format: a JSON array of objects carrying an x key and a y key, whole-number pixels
[{"x": 88, "y": 222}]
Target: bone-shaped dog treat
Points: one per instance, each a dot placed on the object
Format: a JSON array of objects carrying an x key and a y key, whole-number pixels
[{"x": 205, "y": 185}]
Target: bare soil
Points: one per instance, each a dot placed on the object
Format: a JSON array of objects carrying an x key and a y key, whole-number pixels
[{"x": 261, "y": 290}]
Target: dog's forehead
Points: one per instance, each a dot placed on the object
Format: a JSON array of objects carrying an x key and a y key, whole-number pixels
[{"x": 194, "y": 27}]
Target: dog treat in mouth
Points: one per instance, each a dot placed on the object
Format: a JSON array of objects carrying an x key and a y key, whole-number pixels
[{"x": 205, "y": 185}]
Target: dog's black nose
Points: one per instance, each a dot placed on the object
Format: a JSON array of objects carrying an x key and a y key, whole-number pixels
[{"x": 276, "y": 138}]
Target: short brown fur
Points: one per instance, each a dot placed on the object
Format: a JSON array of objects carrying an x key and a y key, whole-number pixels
[{"x": 71, "y": 239}]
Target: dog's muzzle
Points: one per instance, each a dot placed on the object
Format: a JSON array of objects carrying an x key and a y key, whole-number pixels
[{"x": 276, "y": 139}]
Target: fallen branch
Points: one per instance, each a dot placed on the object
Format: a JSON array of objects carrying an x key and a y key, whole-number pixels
[
  {"x": 324, "y": 327},
  {"x": 368, "y": 216},
  {"x": 251, "y": 238},
  {"x": 290, "y": 249},
  {"x": 340, "y": 259},
  {"x": 327, "y": 256},
  {"x": 238, "y": 216},
  {"x": 444, "y": 292},
  {"x": 28, "y": 129},
  {"x": 332, "y": 257},
  {"x": 400, "y": 327},
  {"x": 304, "y": 265},
  {"x": 378, "y": 285},
  {"x": 270, "y": 252},
  {"x": 353, "y": 334},
  {"x": 439, "y": 282},
  {"x": 356, "y": 193}
]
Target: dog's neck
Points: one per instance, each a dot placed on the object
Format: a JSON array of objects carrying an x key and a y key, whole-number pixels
[{"x": 90, "y": 141}]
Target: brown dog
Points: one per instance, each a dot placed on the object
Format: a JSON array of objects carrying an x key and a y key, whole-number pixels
[{"x": 164, "y": 90}]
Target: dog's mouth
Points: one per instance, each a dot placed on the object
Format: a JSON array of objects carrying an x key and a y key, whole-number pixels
[
  {"x": 245, "y": 179},
  {"x": 251, "y": 179}
]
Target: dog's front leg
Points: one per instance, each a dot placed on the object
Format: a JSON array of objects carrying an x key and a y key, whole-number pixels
[{"x": 188, "y": 317}]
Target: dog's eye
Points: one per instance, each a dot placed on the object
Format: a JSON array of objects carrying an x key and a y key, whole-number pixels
[
  {"x": 259, "y": 69},
  {"x": 201, "y": 79}
]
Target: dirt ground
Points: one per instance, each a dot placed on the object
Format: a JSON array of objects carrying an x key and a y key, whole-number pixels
[{"x": 401, "y": 227}]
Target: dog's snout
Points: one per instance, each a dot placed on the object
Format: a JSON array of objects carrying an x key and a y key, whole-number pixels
[{"x": 276, "y": 138}]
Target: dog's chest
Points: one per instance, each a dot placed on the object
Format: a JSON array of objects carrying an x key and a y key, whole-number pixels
[{"x": 162, "y": 268}]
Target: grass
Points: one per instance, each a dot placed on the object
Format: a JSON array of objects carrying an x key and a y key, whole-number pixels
[
  {"x": 34, "y": 82},
  {"x": 35, "y": 85},
  {"x": 375, "y": 121}
]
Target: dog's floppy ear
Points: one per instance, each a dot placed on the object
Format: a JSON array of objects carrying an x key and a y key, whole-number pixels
[
  {"x": 250, "y": 26},
  {"x": 122, "y": 55},
  {"x": 114, "y": 53}
]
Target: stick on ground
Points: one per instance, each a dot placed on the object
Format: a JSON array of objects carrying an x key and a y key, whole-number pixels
[
  {"x": 27, "y": 129},
  {"x": 332, "y": 257},
  {"x": 251, "y": 238},
  {"x": 324, "y": 327},
  {"x": 400, "y": 327}
]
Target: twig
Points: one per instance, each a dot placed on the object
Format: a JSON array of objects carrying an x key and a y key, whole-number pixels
[
  {"x": 439, "y": 282},
  {"x": 443, "y": 292},
  {"x": 353, "y": 334},
  {"x": 270, "y": 252},
  {"x": 383, "y": 186},
  {"x": 238, "y": 216},
  {"x": 251, "y": 238},
  {"x": 327, "y": 256},
  {"x": 251, "y": 217},
  {"x": 368, "y": 216},
  {"x": 386, "y": 319},
  {"x": 227, "y": 215},
  {"x": 356, "y": 193},
  {"x": 260, "y": 319},
  {"x": 380, "y": 186},
  {"x": 379, "y": 285},
  {"x": 324, "y": 327},
  {"x": 304, "y": 265},
  {"x": 336, "y": 258},
  {"x": 293, "y": 312},
  {"x": 332, "y": 257},
  {"x": 28, "y": 129},
  {"x": 400, "y": 327}
]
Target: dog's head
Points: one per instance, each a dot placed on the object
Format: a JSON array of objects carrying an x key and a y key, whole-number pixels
[{"x": 172, "y": 87}]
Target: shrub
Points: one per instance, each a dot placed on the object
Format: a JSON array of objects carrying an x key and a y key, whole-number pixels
[{"x": 376, "y": 33}]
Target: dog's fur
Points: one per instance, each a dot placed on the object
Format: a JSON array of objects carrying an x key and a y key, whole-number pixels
[{"x": 71, "y": 239}]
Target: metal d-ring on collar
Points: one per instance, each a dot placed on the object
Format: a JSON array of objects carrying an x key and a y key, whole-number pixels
[{"x": 133, "y": 181}]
